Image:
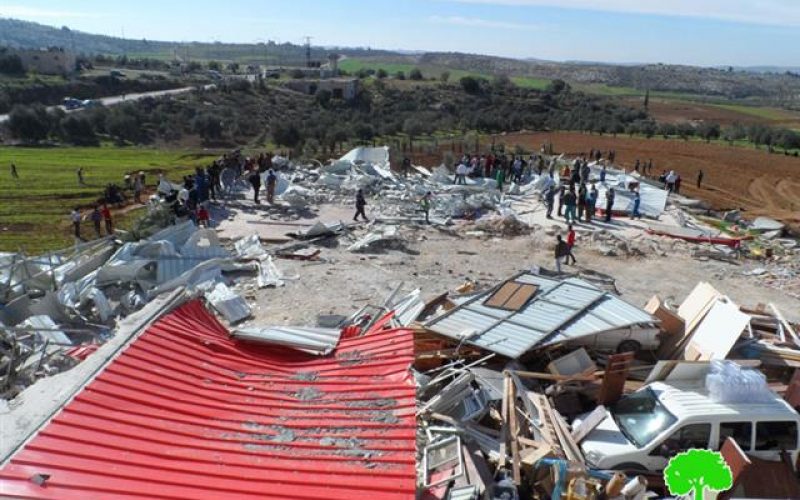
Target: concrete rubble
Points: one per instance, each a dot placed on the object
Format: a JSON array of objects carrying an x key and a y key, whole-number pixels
[{"x": 521, "y": 383}]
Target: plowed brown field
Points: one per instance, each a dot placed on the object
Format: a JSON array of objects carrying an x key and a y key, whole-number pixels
[{"x": 735, "y": 177}]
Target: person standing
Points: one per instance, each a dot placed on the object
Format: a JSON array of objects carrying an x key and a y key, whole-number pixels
[
  {"x": 79, "y": 172},
  {"x": 425, "y": 205},
  {"x": 14, "y": 173},
  {"x": 106, "y": 213},
  {"x": 570, "y": 200},
  {"x": 581, "y": 200},
  {"x": 272, "y": 180},
  {"x": 500, "y": 178},
  {"x": 562, "y": 191},
  {"x": 603, "y": 175},
  {"x": 461, "y": 173},
  {"x": 570, "y": 244},
  {"x": 591, "y": 203},
  {"x": 677, "y": 183},
  {"x": 360, "y": 204},
  {"x": 406, "y": 166},
  {"x": 549, "y": 199},
  {"x": 561, "y": 251},
  {"x": 96, "y": 217},
  {"x": 610, "y": 195},
  {"x": 137, "y": 189},
  {"x": 75, "y": 217},
  {"x": 255, "y": 181},
  {"x": 699, "y": 178},
  {"x": 670, "y": 181},
  {"x": 637, "y": 202}
]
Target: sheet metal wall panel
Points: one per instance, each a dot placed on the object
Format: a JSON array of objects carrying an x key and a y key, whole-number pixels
[
  {"x": 188, "y": 412},
  {"x": 572, "y": 308}
]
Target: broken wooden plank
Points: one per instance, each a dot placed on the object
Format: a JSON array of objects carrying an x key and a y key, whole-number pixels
[
  {"x": 786, "y": 326},
  {"x": 557, "y": 378},
  {"x": 476, "y": 467},
  {"x": 504, "y": 422},
  {"x": 530, "y": 456},
  {"x": 570, "y": 447},
  {"x": 512, "y": 422},
  {"x": 589, "y": 423}
]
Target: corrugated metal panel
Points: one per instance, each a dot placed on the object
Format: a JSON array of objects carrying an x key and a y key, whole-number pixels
[
  {"x": 188, "y": 412},
  {"x": 561, "y": 310},
  {"x": 313, "y": 340}
]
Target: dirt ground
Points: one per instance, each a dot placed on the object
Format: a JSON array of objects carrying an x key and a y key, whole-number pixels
[
  {"x": 676, "y": 111},
  {"x": 735, "y": 177},
  {"x": 435, "y": 261}
]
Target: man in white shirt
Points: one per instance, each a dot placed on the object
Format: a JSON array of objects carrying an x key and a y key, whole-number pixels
[
  {"x": 461, "y": 174},
  {"x": 75, "y": 217}
]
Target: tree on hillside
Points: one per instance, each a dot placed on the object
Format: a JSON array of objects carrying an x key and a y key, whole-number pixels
[
  {"x": 29, "y": 123},
  {"x": 445, "y": 76},
  {"x": 11, "y": 64},
  {"x": 124, "y": 126},
  {"x": 208, "y": 126},
  {"x": 646, "y": 99},
  {"x": 415, "y": 74},
  {"x": 286, "y": 135},
  {"x": 708, "y": 131},
  {"x": 381, "y": 74},
  {"x": 400, "y": 75},
  {"x": 214, "y": 66},
  {"x": 78, "y": 130},
  {"x": 556, "y": 86},
  {"x": 471, "y": 85},
  {"x": 233, "y": 67}
]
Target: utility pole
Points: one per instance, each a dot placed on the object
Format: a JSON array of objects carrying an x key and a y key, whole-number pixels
[{"x": 308, "y": 51}]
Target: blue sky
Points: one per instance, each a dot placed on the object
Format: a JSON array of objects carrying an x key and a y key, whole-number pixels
[{"x": 699, "y": 32}]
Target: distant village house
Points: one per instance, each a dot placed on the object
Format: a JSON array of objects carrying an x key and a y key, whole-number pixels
[{"x": 51, "y": 61}]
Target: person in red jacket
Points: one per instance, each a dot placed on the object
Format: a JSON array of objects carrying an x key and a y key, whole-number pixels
[{"x": 570, "y": 244}]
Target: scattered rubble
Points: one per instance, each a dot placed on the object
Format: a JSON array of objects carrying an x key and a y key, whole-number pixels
[{"x": 522, "y": 383}]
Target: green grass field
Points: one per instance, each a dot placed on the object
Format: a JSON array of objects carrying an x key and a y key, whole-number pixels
[{"x": 34, "y": 210}]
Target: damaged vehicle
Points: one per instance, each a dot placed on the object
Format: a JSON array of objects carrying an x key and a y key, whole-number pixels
[{"x": 643, "y": 430}]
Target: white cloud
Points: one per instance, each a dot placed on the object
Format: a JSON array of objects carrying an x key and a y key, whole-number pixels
[
  {"x": 771, "y": 12},
  {"x": 478, "y": 22},
  {"x": 24, "y": 12}
]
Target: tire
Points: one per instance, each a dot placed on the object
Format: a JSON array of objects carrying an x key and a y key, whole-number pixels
[
  {"x": 630, "y": 466},
  {"x": 629, "y": 346}
]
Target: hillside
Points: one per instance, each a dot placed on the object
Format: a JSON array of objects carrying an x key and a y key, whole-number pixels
[{"x": 24, "y": 34}]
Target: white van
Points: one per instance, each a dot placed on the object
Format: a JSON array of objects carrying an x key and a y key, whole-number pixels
[{"x": 643, "y": 430}]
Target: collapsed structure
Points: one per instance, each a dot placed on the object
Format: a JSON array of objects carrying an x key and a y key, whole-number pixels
[{"x": 143, "y": 354}]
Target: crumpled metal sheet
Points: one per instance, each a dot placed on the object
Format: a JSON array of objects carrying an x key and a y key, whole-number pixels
[
  {"x": 313, "y": 340},
  {"x": 228, "y": 303},
  {"x": 249, "y": 247},
  {"x": 269, "y": 274}
]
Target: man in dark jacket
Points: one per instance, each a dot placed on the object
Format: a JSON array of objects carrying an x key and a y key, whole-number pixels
[
  {"x": 609, "y": 203},
  {"x": 255, "y": 181},
  {"x": 360, "y": 204},
  {"x": 561, "y": 251}
]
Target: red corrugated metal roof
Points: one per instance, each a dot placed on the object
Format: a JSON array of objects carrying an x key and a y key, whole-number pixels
[{"x": 187, "y": 412}]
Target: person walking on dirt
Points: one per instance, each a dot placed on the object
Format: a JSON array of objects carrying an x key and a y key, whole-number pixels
[
  {"x": 500, "y": 178},
  {"x": 637, "y": 202},
  {"x": 677, "y": 183},
  {"x": 106, "y": 213},
  {"x": 699, "y": 178},
  {"x": 14, "y": 173},
  {"x": 561, "y": 251},
  {"x": 570, "y": 244},
  {"x": 272, "y": 180},
  {"x": 670, "y": 181},
  {"x": 549, "y": 199},
  {"x": 610, "y": 195},
  {"x": 562, "y": 190},
  {"x": 570, "y": 200},
  {"x": 360, "y": 204},
  {"x": 75, "y": 217},
  {"x": 255, "y": 181},
  {"x": 96, "y": 217}
]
